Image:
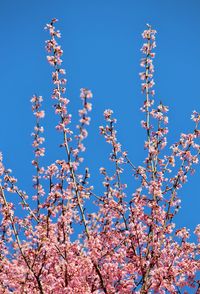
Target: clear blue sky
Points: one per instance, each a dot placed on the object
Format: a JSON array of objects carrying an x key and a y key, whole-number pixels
[{"x": 101, "y": 43}]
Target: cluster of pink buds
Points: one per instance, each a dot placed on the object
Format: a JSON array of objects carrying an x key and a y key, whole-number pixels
[
  {"x": 59, "y": 81},
  {"x": 118, "y": 157},
  {"x": 109, "y": 133},
  {"x": 147, "y": 61},
  {"x": 155, "y": 119},
  {"x": 39, "y": 151},
  {"x": 38, "y": 130},
  {"x": 84, "y": 120}
]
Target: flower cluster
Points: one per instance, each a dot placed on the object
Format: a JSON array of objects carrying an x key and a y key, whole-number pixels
[
  {"x": 84, "y": 120},
  {"x": 59, "y": 81},
  {"x": 38, "y": 140},
  {"x": 147, "y": 61},
  {"x": 39, "y": 151}
]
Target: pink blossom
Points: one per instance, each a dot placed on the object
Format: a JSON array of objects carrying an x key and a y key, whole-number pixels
[
  {"x": 51, "y": 60},
  {"x": 183, "y": 233},
  {"x": 40, "y": 114}
]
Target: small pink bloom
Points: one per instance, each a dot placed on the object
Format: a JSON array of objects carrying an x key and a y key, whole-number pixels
[{"x": 40, "y": 114}]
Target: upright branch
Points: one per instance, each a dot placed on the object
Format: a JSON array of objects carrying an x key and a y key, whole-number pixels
[
  {"x": 61, "y": 109},
  {"x": 147, "y": 85},
  {"x": 65, "y": 119},
  {"x": 39, "y": 151},
  {"x": 116, "y": 156}
]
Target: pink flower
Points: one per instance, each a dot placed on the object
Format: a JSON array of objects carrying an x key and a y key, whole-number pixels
[
  {"x": 85, "y": 93},
  {"x": 183, "y": 233},
  {"x": 40, "y": 114},
  {"x": 51, "y": 60},
  {"x": 108, "y": 113},
  {"x": 39, "y": 152}
]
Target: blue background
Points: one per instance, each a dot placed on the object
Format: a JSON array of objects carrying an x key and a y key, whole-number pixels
[{"x": 101, "y": 42}]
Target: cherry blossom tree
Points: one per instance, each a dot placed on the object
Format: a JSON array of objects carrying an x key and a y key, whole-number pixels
[{"x": 129, "y": 244}]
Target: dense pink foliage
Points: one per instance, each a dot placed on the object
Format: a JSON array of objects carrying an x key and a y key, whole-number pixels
[{"x": 129, "y": 244}]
